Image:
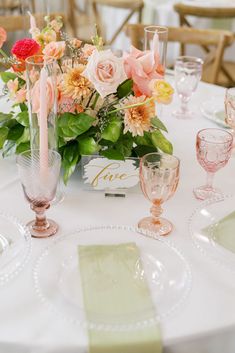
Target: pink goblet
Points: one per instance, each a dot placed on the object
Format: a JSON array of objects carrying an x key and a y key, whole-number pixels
[
  {"x": 159, "y": 177},
  {"x": 39, "y": 181},
  {"x": 214, "y": 148}
]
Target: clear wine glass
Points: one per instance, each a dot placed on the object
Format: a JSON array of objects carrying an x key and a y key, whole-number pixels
[
  {"x": 188, "y": 71},
  {"x": 229, "y": 104},
  {"x": 213, "y": 148},
  {"x": 39, "y": 181},
  {"x": 159, "y": 177}
]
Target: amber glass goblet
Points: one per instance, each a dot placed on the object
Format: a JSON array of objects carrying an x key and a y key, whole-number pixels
[
  {"x": 39, "y": 179},
  {"x": 159, "y": 177}
]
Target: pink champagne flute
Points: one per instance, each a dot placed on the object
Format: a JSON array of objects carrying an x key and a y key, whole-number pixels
[
  {"x": 39, "y": 181},
  {"x": 213, "y": 148},
  {"x": 159, "y": 177}
]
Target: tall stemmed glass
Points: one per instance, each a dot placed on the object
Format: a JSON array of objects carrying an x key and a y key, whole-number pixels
[
  {"x": 155, "y": 39},
  {"x": 214, "y": 148},
  {"x": 39, "y": 186},
  {"x": 188, "y": 71},
  {"x": 230, "y": 109},
  {"x": 159, "y": 177}
]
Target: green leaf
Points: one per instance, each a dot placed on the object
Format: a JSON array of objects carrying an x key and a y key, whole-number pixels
[
  {"x": 70, "y": 159},
  {"x": 113, "y": 130},
  {"x": 160, "y": 141},
  {"x": 144, "y": 140},
  {"x": 124, "y": 145},
  {"x": 158, "y": 124},
  {"x": 22, "y": 147},
  {"x": 5, "y": 117},
  {"x": 23, "y": 107},
  {"x": 142, "y": 150},
  {"x": 15, "y": 132},
  {"x": 24, "y": 137},
  {"x": 70, "y": 125},
  {"x": 7, "y": 76},
  {"x": 124, "y": 88},
  {"x": 23, "y": 118},
  {"x": 87, "y": 145},
  {"x": 112, "y": 154},
  {"x": 3, "y": 135},
  {"x": 9, "y": 148}
]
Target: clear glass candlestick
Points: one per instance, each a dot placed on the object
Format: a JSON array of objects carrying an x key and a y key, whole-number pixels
[
  {"x": 39, "y": 186},
  {"x": 213, "y": 148},
  {"x": 229, "y": 104},
  {"x": 188, "y": 71},
  {"x": 159, "y": 177}
]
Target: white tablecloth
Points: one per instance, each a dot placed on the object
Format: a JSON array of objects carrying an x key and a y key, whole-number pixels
[{"x": 206, "y": 321}]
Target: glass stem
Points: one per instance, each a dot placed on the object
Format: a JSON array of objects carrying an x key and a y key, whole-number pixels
[
  {"x": 209, "y": 180},
  {"x": 156, "y": 211},
  {"x": 41, "y": 222},
  {"x": 184, "y": 105}
]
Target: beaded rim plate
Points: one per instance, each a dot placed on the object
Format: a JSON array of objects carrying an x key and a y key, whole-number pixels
[
  {"x": 213, "y": 109},
  {"x": 16, "y": 240},
  {"x": 169, "y": 275},
  {"x": 206, "y": 217}
]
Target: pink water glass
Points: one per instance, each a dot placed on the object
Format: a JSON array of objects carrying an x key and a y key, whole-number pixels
[
  {"x": 39, "y": 180},
  {"x": 188, "y": 71},
  {"x": 159, "y": 177},
  {"x": 213, "y": 148}
]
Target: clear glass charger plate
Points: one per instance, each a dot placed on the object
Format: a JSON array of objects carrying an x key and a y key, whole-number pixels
[
  {"x": 15, "y": 247},
  {"x": 58, "y": 284},
  {"x": 213, "y": 109},
  {"x": 203, "y": 227}
]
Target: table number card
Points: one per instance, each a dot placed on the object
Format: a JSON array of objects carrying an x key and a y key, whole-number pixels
[{"x": 107, "y": 174}]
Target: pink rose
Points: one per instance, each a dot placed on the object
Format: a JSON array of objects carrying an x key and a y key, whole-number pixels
[
  {"x": 105, "y": 71},
  {"x": 66, "y": 104},
  {"x": 20, "y": 96},
  {"x": 54, "y": 49},
  {"x": 141, "y": 67},
  {"x": 3, "y": 36},
  {"x": 35, "y": 96}
]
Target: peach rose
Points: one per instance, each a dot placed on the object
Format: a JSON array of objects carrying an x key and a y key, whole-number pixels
[
  {"x": 54, "y": 49},
  {"x": 161, "y": 91},
  {"x": 105, "y": 71},
  {"x": 141, "y": 67},
  {"x": 35, "y": 96},
  {"x": 88, "y": 49},
  {"x": 20, "y": 96},
  {"x": 13, "y": 86},
  {"x": 3, "y": 36}
]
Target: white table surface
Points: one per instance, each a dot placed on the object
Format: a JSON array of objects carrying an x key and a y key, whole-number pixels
[{"x": 206, "y": 321}]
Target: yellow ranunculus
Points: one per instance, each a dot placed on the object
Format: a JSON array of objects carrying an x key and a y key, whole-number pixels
[{"x": 162, "y": 91}]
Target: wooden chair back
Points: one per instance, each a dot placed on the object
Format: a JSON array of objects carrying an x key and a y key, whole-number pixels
[
  {"x": 216, "y": 40},
  {"x": 134, "y": 6}
]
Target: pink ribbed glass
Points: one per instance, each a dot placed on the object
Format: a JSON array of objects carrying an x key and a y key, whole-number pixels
[
  {"x": 213, "y": 148},
  {"x": 159, "y": 177}
]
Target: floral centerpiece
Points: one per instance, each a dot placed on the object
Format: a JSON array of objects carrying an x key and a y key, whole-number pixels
[{"x": 106, "y": 104}]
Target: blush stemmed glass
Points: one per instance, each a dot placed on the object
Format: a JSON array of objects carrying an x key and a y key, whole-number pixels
[
  {"x": 39, "y": 186},
  {"x": 213, "y": 148},
  {"x": 188, "y": 71},
  {"x": 159, "y": 177}
]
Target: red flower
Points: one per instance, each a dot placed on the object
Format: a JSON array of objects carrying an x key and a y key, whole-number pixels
[{"x": 24, "y": 48}]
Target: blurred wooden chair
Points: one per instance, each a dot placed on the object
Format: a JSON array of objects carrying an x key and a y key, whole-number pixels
[
  {"x": 227, "y": 76},
  {"x": 134, "y": 6},
  {"x": 15, "y": 6},
  {"x": 215, "y": 40},
  {"x": 77, "y": 16}
]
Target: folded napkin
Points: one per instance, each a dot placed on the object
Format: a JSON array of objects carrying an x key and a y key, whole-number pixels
[
  {"x": 224, "y": 232},
  {"x": 113, "y": 287}
]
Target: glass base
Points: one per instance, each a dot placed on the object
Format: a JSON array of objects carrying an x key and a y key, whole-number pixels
[
  {"x": 43, "y": 233},
  {"x": 179, "y": 114},
  {"x": 4, "y": 243},
  {"x": 204, "y": 193},
  {"x": 160, "y": 227}
]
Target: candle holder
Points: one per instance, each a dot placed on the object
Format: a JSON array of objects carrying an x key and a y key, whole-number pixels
[{"x": 44, "y": 137}]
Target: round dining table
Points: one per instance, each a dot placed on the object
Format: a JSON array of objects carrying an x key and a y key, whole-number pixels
[{"x": 205, "y": 323}]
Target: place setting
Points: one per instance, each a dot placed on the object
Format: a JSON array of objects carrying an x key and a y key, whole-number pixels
[{"x": 79, "y": 105}]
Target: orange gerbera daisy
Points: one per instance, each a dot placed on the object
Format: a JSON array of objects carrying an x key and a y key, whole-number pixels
[
  {"x": 137, "y": 119},
  {"x": 75, "y": 85}
]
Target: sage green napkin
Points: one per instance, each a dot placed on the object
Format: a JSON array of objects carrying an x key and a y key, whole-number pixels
[
  {"x": 113, "y": 287},
  {"x": 224, "y": 232}
]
